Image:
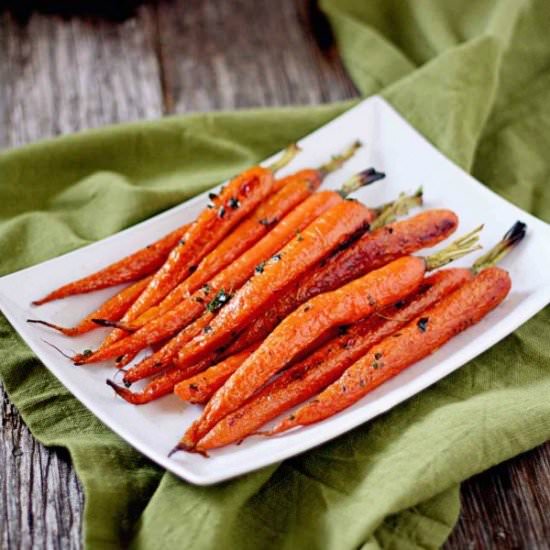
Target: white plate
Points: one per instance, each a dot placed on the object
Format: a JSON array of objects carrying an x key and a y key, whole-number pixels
[{"x": 409, "y": 160}]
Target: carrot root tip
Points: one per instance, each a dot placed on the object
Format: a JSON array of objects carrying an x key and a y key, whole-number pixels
[{"x": 105, "y": 323}]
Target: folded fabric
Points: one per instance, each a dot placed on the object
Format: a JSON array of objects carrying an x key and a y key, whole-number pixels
[{"x": 473, "y": 77}]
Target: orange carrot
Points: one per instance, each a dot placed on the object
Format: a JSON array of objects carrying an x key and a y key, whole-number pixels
[
  {"x": 164, "y": 384},
  {"x": 372, "y": 251},
  {"x": 311, "y": 375},
  {"x": 418, "y": 339},
  {"x": 162, "y": 358},
  {"x": 348, "y": 304},
  {"x": 235, "y": 201},
  {"x": 199, "y": 388},
  {"x": 135, "y": 266},
  {"x": 291, "y": 191},
  {"x": 218, "y": 289},
  {"x": 217, "y": 292},
  {"x": 113, "y": 309},
  {"x": 331, "y": 230},
  {"x": 158, "y": 387}
]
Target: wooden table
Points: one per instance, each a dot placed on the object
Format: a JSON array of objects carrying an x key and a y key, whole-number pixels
[{"x": 60, "y": 75}]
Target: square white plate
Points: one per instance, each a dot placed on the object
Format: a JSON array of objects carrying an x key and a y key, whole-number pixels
[{"x": 393, "y": 146}]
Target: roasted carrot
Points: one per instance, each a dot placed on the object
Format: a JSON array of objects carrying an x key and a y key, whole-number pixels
[
  {"x": 113, "y": 309},
  {"x": 331, "y": 230},
  {"x": 316, "y": 372},
  {"x": 348, "y": 304},
  {"x": 508, "y": 242},
  {"x": 292, "y": 190},
  {"x": 368, "y": 253},
  {"x": 234, "y": 203},
  {"x": 132, "y": 267},
  {"x": 158, "y": 387},
  {"x": 419, "y": 338},
  {"x": 164, "y": 384},
  {"x": 217, "y": 292},
  {"x": 202, "y": 386},
  {"x": 155, "y": 363}
]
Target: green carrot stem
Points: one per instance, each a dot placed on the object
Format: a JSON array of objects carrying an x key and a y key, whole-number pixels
[
  {"x": 337, "y": 161},
  {"x": 390, "y": 211},
  {"x": 462, "y": 246},
  {"x": 510, "y": 240},
  {"x": 366, "y": 177},
  {"x": 287, "y": 155}
]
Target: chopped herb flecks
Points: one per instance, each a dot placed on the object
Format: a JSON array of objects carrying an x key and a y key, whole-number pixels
[
  {"x": 377, "y": 356},
  {"x": 260, "y": 267},
  {"x": 221, "y": 212},
  {"x": 207, "y": 329},
  {"x": 422, "y": 324},
  {"x": 206, "y": 288},
  {"x": 221, "y": 298},
  {"x": 233, "y": 203},
  {"x": 87, "y": 352},
  {"x": 275, "y": 258},
  {"x": 212, "y": 196}
]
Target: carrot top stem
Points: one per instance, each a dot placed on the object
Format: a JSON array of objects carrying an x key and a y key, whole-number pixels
[
  {"x": 462, "y": 246},
  {"x": 337, "y": 161},
  {"x": 287, "y": 155},
  {"x": 366, "y": 177},
  {"x": 511, "y": 238},
  {"x": 390, "y": 211}
]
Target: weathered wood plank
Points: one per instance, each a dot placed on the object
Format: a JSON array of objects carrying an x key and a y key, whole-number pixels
[
  {"x": 224, "y": 55},
  {"x": 508, "y": 506},
  {"x": 64, "y": 75}
]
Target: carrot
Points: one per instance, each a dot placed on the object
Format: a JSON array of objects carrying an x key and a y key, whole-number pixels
[
  {"x": 158, "y": 387},
  {"x": 348, "y": 304},
  {"x": 132, "y": 267},
  {"x": 113, "y": 309},
  {"x": 368, "y": 253},
  {"x": 509, "y": 241},
  {"x": 322, "y": 236},
  {"x": 418, "y": 339},
  {"x": 291, "y": 191},
  {"x": 163, "y": 357},
  {"x": 164, "y": 384},
  {"x": 323, "y": 367},
  {"x": 236, "y": 200},
  {"x": 217, "y": 292},
  {"x": 201, "y": 387}
]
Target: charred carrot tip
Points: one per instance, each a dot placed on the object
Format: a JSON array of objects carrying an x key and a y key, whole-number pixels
[
  {"x": 188, "y": 449},
  {"x": 105, "y": 323},
  {"x": 515, "y": 233},
  {"x": 366, "y": 177},
  {"x": 509, "y": 241}
]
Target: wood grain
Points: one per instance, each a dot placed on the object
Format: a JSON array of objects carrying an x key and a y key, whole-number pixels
[{"x": 60, "y": 75}]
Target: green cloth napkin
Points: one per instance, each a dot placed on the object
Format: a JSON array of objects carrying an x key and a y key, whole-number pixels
[{"x": 473, "y": 77}]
